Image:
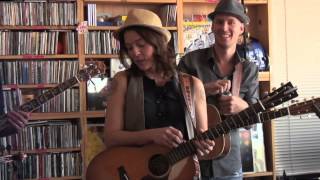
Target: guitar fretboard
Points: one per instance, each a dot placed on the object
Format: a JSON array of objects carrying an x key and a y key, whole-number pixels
[
  {"x": 267, "y": 116},
  {"x": 84, "y": 74},
  {"x": 49, "y": 94},
  {"x": 245, "y": 118}
]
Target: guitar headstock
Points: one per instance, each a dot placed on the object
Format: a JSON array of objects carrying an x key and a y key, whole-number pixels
[
  {"x": 90, "y": 70},
  {"x": 310, "y": 106},
  {"x": 278, "y": 96}
]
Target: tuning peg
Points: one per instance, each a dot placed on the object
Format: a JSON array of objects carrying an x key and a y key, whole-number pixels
[
  {"x": 282, "y": 84},
  {"x": 316, "y": 109},
  {"x": 246, "y": 35},
  {"x": 274, "y": 88},
  {"x": 265, "y": 94},
  {"x": 293, "y": 101},
  {"x": 246, "y": 10}
]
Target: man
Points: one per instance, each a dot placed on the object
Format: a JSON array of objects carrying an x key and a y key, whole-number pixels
[
  {"x": 217, "y": 66},
  {"x": 12, "y": 122}
]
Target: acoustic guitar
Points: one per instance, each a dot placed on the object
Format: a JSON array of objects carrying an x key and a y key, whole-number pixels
[
  {"x": 223, "y": 143},
  {"x": 158, "y": 162}
]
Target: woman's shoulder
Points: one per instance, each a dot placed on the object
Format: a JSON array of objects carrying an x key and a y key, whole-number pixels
[
  {"x": 121, "y": 75},
  {"x": 121, "y": 78}
]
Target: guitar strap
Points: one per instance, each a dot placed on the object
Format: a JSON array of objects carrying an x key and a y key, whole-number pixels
[
  {"x": 187, "y": 92},
  {"x": 187, "y": 88},
  {"x": 236, "y": 79}
]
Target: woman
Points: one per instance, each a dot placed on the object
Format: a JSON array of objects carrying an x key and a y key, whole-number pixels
[
  {"x": 146, "y": 44},
  {"x": 146, "y": 105}
]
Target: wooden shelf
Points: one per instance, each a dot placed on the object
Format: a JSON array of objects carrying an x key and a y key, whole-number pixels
[
  {"x": 247, "y": 2},
  {"x": 30, "y": 86},
  {"x": 113, "y": 28},
  {"x": 59, "y": 178},
  {"x": 173, "y": 28},
  {"x": 101, "y": 56},
  {"x": 102, "y": 28},
  {"x": 39, "y": 27},
  {"x": 257, "y": 174},
  {"x": 31, "y": 56},
  {"x": 95, "y": 114},
  {"x": 134, "y": 1},
  {"x": 52, "y": 116},
  {"x": 60, "y": 150},
  {"x": 264, "y": 76}
]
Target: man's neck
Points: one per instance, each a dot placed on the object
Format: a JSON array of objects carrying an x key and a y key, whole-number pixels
[
  {"x": 224, "y": 55},
  {"x": 224, "y": 59}
]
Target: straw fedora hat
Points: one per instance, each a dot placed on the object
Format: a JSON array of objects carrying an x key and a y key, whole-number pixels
[{"x": 144, "y": 18}]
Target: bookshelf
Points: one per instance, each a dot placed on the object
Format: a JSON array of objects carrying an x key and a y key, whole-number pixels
[
  {"x": 258, "y": 11},
  {"x": 39, "y": 50}
]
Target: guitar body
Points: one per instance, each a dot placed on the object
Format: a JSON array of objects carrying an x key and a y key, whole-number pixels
[
  {"x": 227, "y": 146},
  {"x": 222, "y": 144},
  {"x": 135, "y": 160}
]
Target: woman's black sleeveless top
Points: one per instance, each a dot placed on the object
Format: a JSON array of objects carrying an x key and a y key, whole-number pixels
[{"x": 163, "y": 106}]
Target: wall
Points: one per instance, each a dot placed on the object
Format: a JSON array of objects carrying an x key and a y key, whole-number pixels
[
  {"x": 295, "y": 56},
  {"x": 295, "y": 44}
]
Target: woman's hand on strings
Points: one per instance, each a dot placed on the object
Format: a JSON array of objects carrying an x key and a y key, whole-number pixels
[{"x": 167, "y": 136}]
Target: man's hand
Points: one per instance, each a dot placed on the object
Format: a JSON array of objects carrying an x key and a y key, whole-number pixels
[
  {"x": 217, "y": 87},
  {"x": 18, "y": 119},
  {"x": 231, "y": 105}
]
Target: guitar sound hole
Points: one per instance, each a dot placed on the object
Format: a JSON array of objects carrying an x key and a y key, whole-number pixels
[{"x": 158, "y": 165}]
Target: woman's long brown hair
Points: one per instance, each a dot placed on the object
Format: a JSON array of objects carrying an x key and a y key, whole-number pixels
[{"x": 163, "y": 53}]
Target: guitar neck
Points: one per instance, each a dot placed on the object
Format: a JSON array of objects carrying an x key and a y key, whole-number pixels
[
  {"x": 244, "y": 118},
  {"x": 49, "y": 94},
  {"x": 269, "y": 115}
]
